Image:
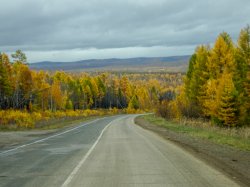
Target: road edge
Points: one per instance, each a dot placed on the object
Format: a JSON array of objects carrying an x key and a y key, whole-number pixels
[{"x": 212, "y": 161}]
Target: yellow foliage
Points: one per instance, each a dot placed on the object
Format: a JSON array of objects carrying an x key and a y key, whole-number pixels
[
  {"x": 175, "y": 110},
  {"x": 133, "y": 111},
  {"x": 25, "y": 119},
  {"x": 15, "y": 117},
  {"x": 211, "y": 100}
]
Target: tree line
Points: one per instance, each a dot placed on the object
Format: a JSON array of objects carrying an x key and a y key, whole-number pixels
[
  {"x": 24, "y": 89},
  {"x": 217, "y": 83}
]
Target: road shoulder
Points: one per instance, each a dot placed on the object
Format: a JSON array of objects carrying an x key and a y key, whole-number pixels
[
  {"x": 9, "y": 139},
  {"x": 234, "y": 163}
]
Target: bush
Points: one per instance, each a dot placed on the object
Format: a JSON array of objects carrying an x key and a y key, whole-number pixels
[
  {"x": 18, "y": 118},
  {"x": 24, "y": 119},
  {"x": 133, "y": 111}
]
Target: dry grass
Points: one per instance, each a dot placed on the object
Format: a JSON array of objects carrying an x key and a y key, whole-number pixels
[
  {"x": 234, "y": 137},
  {"x": 243, "y": 132}
]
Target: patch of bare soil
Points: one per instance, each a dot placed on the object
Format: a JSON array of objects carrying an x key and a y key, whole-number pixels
[{"x": 234, "y": 163}]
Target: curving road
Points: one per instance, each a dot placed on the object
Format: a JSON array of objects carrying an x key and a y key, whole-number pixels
[{"x": 108, "y": 152}]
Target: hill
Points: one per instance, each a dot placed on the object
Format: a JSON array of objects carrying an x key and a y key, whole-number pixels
[{"x": 171, "y": 64}]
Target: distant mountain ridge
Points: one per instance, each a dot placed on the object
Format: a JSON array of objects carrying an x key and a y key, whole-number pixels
[{"x": 137, "y": 64}]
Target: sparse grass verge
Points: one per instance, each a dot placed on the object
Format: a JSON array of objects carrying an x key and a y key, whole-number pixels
[{"x": 238, "y": 138}]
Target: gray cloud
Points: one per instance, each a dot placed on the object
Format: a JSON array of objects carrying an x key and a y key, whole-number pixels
[{"x": 80, "y": 25}]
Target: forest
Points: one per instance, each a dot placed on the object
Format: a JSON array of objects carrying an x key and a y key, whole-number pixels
[
  {"x": 216, "y": 87},
  {"x": 217, "y": 84},
  {"x": 45, "y": 94}
]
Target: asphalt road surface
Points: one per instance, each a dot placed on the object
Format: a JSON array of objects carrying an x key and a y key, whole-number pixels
[{"x": 108, "y": 152}]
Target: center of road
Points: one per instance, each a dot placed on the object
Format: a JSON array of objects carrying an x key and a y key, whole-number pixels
[{"x": 76, "y": 169}]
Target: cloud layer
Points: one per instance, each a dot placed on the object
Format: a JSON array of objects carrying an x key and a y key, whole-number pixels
[{"x": 80, "y": 27}]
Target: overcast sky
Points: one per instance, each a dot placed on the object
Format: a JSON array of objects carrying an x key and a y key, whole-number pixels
[{"x": 68, "y": 30}]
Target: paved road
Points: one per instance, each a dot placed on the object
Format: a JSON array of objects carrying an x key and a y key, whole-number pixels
[{"x": 109, "y": 152}]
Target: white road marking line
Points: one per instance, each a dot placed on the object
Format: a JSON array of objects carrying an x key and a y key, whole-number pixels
[
  {"x": 76, "y": 169},
  {"x": 55, "y": 135}
]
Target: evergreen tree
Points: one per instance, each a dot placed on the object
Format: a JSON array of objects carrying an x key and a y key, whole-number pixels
[
  {"x": 19, "y": 56},
  {"x": 6, "y": 81},
  {"x": 227, "y": 109},
  {"x": 197, "y": 77},
  {"x": 200, "y": 74},
  {"x": 134, "y": 103},
  {"x": 222, "y": 56},
  {"x": 242, "y": 77},
  {"x": 189, "y": 76}
]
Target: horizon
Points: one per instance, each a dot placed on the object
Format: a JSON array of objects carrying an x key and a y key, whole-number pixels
[
  {"x": 92, "y": 59},
  {"x": 101, "y": 54}
]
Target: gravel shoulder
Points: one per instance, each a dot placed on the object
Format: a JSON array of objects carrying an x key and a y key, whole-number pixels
[{"x": 234, "y": 163}]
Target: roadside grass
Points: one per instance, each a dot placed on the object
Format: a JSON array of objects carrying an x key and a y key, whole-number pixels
[{"x": 235, "y": 137}]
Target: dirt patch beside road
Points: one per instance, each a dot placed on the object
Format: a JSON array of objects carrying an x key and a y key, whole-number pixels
[{"x": 234, "y": 163}]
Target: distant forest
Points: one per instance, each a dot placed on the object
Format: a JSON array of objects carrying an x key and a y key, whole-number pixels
[{"x": 23, "y": 88}]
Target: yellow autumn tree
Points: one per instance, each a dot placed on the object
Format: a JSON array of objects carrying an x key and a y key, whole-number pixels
[
  {"x": 227, "y": 106},
  {"x": 222, "y": 56},
  {"x": 57, "y": 99},
  {"x": 242, "y": 78}
]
